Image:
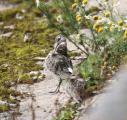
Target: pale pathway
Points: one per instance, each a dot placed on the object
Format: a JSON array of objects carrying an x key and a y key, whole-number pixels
[{"x": 112, "y": 103}]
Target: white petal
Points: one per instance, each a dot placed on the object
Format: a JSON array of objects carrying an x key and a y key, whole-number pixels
[
  {"x": 37, "y": 3},
  {"x": 70, "y": 70}
]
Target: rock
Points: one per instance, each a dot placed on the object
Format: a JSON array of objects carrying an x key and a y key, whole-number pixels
[
  {"x": 40, "y": 63},
  {"x": 7, "y": 104},
  {"x": 19, "y": 16},
  {"x": 27, "y": 37},
  {"x": 11, "y": 27},
  {"x": 23, "y": 11},
  {"x": 33, "y": 72},
  {"x": 37, "y": 76},
  {"x": 3, "y": 102},
  {"x": 7, "y": 35},
  {"x": 39, "y": 58},
  {"x": 4, "y": 5},
  {"x": 1, "y": 23}
]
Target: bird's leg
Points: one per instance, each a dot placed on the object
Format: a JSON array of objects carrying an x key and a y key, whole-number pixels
[{"x": 58, "y": 87}]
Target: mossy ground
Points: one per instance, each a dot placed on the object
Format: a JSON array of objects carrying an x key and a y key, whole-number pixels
[{"x": 17, "y": 56}]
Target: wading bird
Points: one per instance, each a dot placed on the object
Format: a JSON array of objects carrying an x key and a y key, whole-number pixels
[{"x": 59, "y": 62}]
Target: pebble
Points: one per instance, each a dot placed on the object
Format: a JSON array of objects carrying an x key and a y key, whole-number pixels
[
  {"x": 1, "y": 23},
  {"x": 7, "y": 35},
  {"x": 27, "y": 37},
  {"x": 12, "y": 27},
  {"x": 19, "y": 16}
]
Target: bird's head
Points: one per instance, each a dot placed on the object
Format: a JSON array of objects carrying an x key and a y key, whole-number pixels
[{"x": 61, "y": 45}]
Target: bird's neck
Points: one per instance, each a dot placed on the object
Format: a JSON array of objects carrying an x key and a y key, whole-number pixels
[{"x": 63, "y": 52}]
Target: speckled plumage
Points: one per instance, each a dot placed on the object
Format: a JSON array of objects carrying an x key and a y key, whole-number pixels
[
  {"x": 58, "y": 61},
  {"x": 76, "y": 89},
  {"x": 59, "y": 64}
]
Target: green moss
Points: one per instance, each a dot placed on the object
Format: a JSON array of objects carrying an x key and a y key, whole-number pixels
[
  {"x": 25, "y": 78},
  {"x": 4, "y": 108},
  {"x": 14, "y": 1},
  {"x": 8, "y": 14},
  {"x": 17, "y": 56},
  {"x": 12, "y": 100},
  {"x": 74, "y": 54}
]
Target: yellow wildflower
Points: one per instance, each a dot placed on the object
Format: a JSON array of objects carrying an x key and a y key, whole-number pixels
[
  {"x": 85, "y": 2},
  {"x": 110, "y": 23},
  {"x": 125, "y": 25},
  {"x": 74, "y": 6},
  {"x": 120, "y": 22},
  {"x": 100, "y": 29},
  {"x": 99, "y": 18},
  {"x": 111, "y": 28},
  {"x": 107, "y": 14},
  {"x": 95, "y": 26},
  {"x": 125, "y": 34},
  {"x": 78, "y": 18}
]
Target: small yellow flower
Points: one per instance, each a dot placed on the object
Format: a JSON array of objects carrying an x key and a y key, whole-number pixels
[
  {"x": 74, "y": 6},
  {"x": 120, "y": 22},
  {"x": 95, "y": 17},
  {"x": 95, "y": 26},
  {"x": 110, "y": 23},
  {"x": 125, "y": 34},
  {"x": 78, "y": 18},
  {"x": 125, "y": 25},
  {"x": 111, "y": 28},
  {"x": 100, "y": 29},
  {"x": 99, "y": 18},
  {"x": 107, "y": 14},
  {"x": 85, "y": 2}
]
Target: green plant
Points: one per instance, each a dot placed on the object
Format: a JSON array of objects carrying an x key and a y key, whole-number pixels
[
  {"x": 91, "y": 67},
  {"x": 67, "y": 113},
  {"x": 91, "y": 70},
  {"x": 70, "y": 17},
  {"x": 4, "y": 108}
]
